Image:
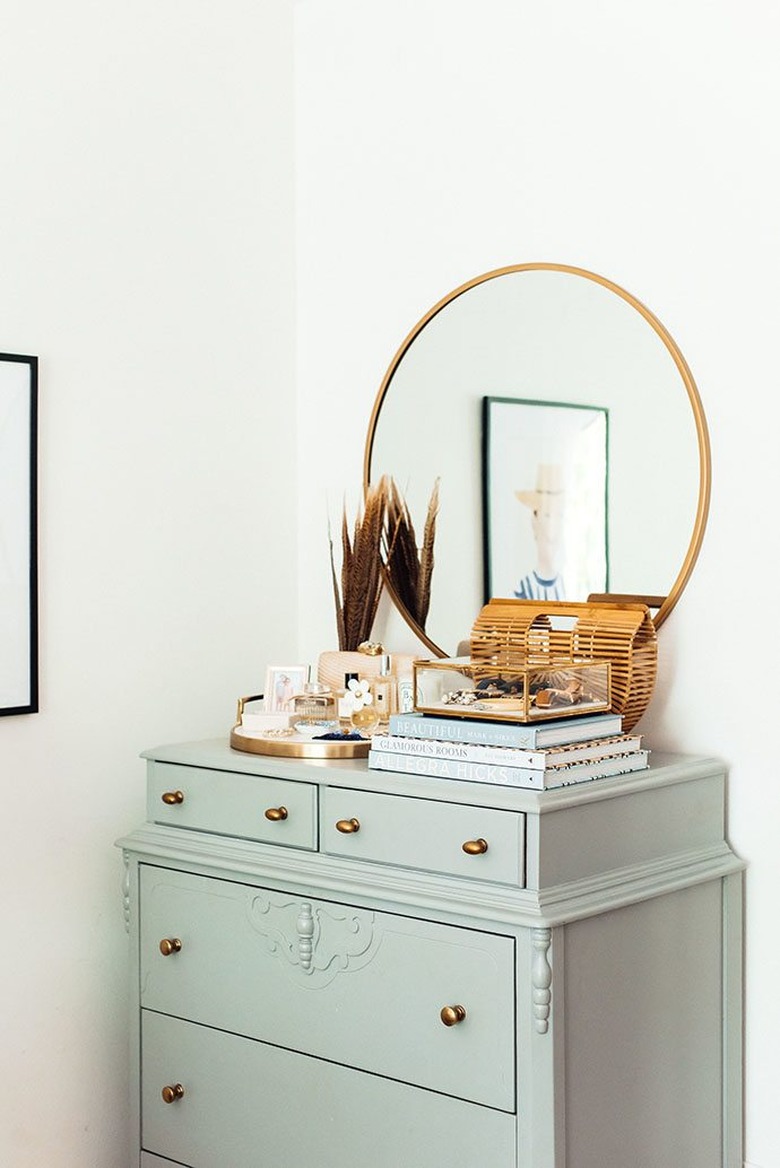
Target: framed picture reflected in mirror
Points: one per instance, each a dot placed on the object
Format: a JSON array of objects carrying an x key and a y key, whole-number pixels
[
  {"x": 544, "y": 499},
  {"x": 18, "y": 535}
]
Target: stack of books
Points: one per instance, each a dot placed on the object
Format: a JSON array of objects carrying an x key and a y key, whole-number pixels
[{"x": 551, "y": 754}]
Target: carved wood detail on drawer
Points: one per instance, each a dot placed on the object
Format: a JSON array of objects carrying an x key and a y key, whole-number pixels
[{"x": 314, "y": 942}]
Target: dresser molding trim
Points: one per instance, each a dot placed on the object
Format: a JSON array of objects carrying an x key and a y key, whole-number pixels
[{"x": 365, "y": 882}]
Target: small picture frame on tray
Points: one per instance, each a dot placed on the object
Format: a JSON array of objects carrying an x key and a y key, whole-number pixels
[{"x": 282, "y": 683}]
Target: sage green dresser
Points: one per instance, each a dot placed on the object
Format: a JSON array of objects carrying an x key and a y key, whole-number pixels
[{"x": 349, "y": 968}]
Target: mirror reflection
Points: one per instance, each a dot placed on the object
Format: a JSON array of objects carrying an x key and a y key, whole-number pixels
[{"x": 568, "y": 437}]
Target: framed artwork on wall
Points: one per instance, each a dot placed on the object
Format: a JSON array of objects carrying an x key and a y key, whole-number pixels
[
  {"x": 18, "y": 535},
  {"x": 544, "y": 499}
]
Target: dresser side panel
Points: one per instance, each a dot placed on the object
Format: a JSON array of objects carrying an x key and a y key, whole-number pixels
[
  {"x": 644, "y": 825},
  {"x": 643, "y": 1069}
]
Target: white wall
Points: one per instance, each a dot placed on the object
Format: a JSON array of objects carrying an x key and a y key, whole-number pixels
[
  {"x": 146, "y": 244},
  {"x": 438, "y": 140}
]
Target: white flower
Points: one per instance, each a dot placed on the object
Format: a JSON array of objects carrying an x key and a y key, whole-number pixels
[{"x": 358, "y": 695}]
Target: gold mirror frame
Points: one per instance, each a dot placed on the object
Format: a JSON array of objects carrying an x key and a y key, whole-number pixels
[{"x": 668, "y": 602}]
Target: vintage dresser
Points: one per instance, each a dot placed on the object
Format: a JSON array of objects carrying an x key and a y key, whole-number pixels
[{"x": 349, "y": 968}]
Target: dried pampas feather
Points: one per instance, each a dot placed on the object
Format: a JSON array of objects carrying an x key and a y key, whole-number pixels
[
  {"x": 336, "y": 597},
  {"x": 426, "y": 557},
  {"x": 410, "y": 570},
  {"x": 384, "y": 531},
  {"x": 361, "y": 577}
]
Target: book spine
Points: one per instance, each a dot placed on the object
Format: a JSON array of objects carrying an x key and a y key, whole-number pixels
[
  {"x": 460, "y": 730},
  {"x": 526, "y": 777},
  {"x": 553, "y": 756},
  {"x": 442, "y": 768},
  {"x": 501, "y": 733},
  {"x": 459, "y": 751}
]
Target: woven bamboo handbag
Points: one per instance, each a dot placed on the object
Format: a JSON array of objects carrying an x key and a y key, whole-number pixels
[{"x": 533, "y": 632}]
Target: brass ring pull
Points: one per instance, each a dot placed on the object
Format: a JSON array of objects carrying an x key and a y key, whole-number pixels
[
  {"x": 170, "y": 945},
  {"x": 172, "y": 1092},
  {"x": 476, "y": 847},
  {"x": 172, "y": 797},
  {"x": 348, "y": 826},
  {"x": 452, "y": 1015},
  {"x": 275, "y": 814}
]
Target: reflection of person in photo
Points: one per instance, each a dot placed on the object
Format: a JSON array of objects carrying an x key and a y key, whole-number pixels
[{"x": 547, "y": 506}]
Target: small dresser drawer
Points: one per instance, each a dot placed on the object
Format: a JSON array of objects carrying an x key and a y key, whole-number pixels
[
  {"x": 480, "y": 843},
  {"x": 241, "y": 1104},
  {"x": 274, "y": 811},
  {"x": 346, "y": 984}
]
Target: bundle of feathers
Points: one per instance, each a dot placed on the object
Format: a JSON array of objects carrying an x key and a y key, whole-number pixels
[
  {"x": 382, "y": 546},
  {"x": 408, "y": 568}
]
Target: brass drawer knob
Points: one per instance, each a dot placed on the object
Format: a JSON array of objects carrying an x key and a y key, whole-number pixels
[
  {"x": 172, "y": 1092},
  {"x": 476, "y": 847},
  {"x": 348, "y": 826},
  {"x": 452, "y": 1015},
  {"x": 172, "y": 797},
  {"x": 170, "y": 945},
  {"x": 275, "y": 814}
]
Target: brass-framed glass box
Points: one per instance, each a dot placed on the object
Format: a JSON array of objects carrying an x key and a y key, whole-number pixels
[{"x": 460, "y": 687}]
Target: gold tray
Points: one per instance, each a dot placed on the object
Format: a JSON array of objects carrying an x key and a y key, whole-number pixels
[{"x": 296, "y": 746}]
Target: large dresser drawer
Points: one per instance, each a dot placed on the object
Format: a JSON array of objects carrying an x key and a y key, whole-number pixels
[
  {"x": 346, "y": 984},
  {"x": 424, "y": 833},
  {"x": 245, "y": 1103},
  {"x": 276, "y": 811}
]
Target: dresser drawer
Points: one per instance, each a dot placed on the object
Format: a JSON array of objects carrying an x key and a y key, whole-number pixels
[
  {"x": 233, "y": 804},
  {"x": 346, "y": 984},
  {"x": 423, "y": 833},
  {"x": 245, "y": 1103}
]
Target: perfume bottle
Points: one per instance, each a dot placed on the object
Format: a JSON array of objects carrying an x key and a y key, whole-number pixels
[
  {"x": 316, "y": 704},
  {"x": 385, "y": 691},
  {"x": 363, "y": 715},
  {"x": 405, "y": 694},
  {"x": 344, "y": 702},
  {"x": 365, "y": 719}
]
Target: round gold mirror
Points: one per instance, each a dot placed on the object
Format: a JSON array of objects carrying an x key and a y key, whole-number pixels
[{"x": 544, "y": 398}]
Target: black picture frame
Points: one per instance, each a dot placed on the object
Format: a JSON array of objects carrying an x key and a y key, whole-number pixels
[
  {"x": 544, "y": 450},
  {"x": 18, "y": 534}
]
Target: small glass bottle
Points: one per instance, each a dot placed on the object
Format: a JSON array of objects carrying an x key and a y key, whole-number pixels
[
  {"x": 365, "y": 720},
  {"x": 385, "y": 692},
  {"x": 405, "y": 686},
  {"x": 316, "y": 704}
]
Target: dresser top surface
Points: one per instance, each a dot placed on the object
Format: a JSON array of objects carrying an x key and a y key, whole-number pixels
[{"x": 217, "y": 754}]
